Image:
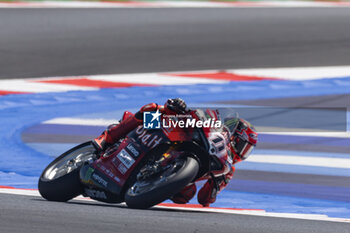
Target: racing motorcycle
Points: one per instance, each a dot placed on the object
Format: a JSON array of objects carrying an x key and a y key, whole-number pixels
[{"x": 143, "y": 169}]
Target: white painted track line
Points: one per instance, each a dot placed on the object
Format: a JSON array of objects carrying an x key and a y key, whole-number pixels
[
  {"x": 80, "y": 121},
  {"x": 298, "y": 73},
  {"x": 301, "y": 161},
  {"x": 25, "y": 86},
  {"x": 210, "y": 209},
  {"x": 92, "y": 82},
  {"x": 154, "y": 79}
]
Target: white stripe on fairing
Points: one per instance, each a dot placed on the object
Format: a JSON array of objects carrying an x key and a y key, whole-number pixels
[
  {"x": 81, "y": 121},
  {"x": 154, "y": 79},
  {"x": 301, "y": 161},
  {"x": 27, "y": 86},
  {"x": 298, "y": 73},
  {"x": 318, "y": 217}
]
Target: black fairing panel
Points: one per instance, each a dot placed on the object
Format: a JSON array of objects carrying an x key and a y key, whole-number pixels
[{"x": 98, "y": 186}]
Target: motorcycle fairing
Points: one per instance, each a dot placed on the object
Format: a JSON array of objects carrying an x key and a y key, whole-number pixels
[
  {"x": 118, "y": 166},
  {"x": 98, "y": 185}
]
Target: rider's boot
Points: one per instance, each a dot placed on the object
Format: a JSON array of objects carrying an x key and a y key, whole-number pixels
[
  {"x": 185, "y": 195},
  {"x": 207, "y": 194}
]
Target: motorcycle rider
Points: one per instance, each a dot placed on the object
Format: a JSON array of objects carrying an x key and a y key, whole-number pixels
[{"x": 241, "y": 138}]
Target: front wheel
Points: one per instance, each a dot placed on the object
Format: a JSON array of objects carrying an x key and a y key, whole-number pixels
[
  {"x": 60, "y": 180},
  {"x": 149, "y": 192}
]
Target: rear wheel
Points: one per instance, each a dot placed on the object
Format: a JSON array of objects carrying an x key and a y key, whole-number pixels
[
  {"x": 60, "y": 180},
  {"x": 148, "y": 192}
]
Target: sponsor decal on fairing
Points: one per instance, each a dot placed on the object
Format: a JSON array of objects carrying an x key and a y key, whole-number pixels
[
  {"x": 108, "y": 172},
  {"x": 122, "y": 168},
  {"x": 99, "y": 179},
  {"x": 148, "y": 139},
  {"x": 133, "y": 150},
  {"x": 125, "y": 158}
]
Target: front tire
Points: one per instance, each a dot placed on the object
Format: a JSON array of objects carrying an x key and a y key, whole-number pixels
[
  {"x": 145, "y": 194},
  {"x": 60, "y": 180}
]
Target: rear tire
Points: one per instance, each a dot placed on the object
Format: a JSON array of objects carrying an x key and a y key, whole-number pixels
[
  {"x": 164, "y": 190},
  {"x": 67, "y": 186}
]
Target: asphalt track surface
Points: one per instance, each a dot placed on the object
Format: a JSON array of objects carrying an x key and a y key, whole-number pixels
[
  {"x": 26, "y": 214},
  {"x": 56, "y": 42},
  {"x": 50, "y": 42}
]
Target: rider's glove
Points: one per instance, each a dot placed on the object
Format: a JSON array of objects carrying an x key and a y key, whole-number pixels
[
  {"x": 177, "y": 105},
  {"x": 207, "y": 194}
]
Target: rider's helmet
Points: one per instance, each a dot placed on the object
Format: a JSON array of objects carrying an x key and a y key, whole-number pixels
[{"x": 243, "y": 138}]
